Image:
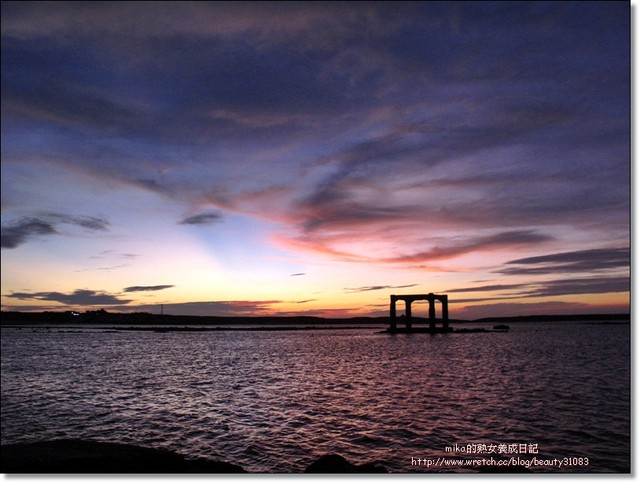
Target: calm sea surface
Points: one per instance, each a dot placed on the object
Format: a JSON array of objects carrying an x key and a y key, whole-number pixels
[{"x": 275, "y": 401}]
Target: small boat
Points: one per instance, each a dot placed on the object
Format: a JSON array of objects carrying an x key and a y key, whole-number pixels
[{"x": 501, "y": 328}]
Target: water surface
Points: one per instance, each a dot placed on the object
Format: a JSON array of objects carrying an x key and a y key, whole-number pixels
[{"x": 275, "y": 401}]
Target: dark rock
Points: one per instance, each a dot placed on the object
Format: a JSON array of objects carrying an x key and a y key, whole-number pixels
[
  {"x": 333, "y": 463},
  {"x": 202, "y": 465},
  {"x": 504, "y": 469},
  {"x": 80, "y": 456}
]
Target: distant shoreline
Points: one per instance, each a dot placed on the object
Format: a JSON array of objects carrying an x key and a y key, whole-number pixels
[{"x": 146, "y": 319}]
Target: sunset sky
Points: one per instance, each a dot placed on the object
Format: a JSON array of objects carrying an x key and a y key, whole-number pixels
[{"x": 313, "y": 158}]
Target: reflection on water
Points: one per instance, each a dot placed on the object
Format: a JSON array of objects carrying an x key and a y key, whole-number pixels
[{"x": 275, "y": 401}]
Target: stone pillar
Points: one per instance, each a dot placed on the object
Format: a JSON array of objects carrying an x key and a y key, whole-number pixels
[
  {"x": 432, "y": 312},
  {"x": 407, "y": 313},
  {"x": 444, "y": 299},
  {"x": 392, "y": 313},
  {"x": 432, "y": 308}
]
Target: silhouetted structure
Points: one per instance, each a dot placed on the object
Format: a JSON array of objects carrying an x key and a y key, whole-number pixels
[{"x": 408, "y": 319}]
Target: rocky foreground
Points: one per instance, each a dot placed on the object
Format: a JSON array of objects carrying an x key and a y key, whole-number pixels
[{"x": 92, "y": 457}]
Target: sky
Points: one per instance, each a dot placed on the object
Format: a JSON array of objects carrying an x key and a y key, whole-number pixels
[{"x": 313, "y": 158}]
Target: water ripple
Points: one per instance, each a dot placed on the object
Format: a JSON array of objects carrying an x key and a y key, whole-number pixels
[{"x": 274, "y": 401}]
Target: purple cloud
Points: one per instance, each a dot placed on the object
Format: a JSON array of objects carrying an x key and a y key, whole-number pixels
[
  {"x": 147, "y": 288},
  {"x": 570, "y": 262},
  {"x": 202, "y": 219},
  {"x": 78, "y": 297}
]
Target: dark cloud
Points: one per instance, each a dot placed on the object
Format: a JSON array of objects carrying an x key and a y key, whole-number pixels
[
  {"x": 605, "y": 260},
  {"x": 571, "y": 262},
  {"x": 303, "y": 70},
  {"x": 607, "y": 256},
  {"x": 334, "y": 213},
  {"x": 589, "y": 285},
  {"x": 58, "y": 102},
  {"x": 90, "y": 298},
  {"x": 432, "y": 129},
  {"x": 376, "y": 181},
  {"x": 492, "y": 298},
  {"x": 25, "y": 229},
  {"x": 488, "y": 288},
  {"x": 456, "y": 248},
  {"x": 147, "y": 288},
  {"x": 286, "y": 64},
  {"x": 77, "y": 297},
  {"x": 202, "y": 219},
  {"x": 87, "y": 222},
  {"x": 548, "y": 288},
  {"x": 174, "y": 89},
  {"x": 154, "y": 186},
  {"x": 408, "y": 175},
  {"x": 298, "y": 274},
  {"x": 377, "y": 287}
]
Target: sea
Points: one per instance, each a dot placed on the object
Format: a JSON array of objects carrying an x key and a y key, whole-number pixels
[{"x": 553, "y": 397}]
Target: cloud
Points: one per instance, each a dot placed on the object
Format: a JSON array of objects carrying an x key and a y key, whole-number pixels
[
  {"x": 377, "y": 287},
  {"x": 571, "y": 262},
  {"x": 441, "y": 248},
  {"x": 593, "y": 261},
  {"x": 25, "y": 229},
  {"x": 587, "y": 285},
  {"x": 107, "y": 269},
  {"x": 90, "y": 298},
  {"x": 153, "y": 185},
  {"x": 456, "y": 248},
  {"x": 420, "y": 176},
  {"x": 548, "y": 288},
  {"x": 88, "y": 222},
  {"x": 343, "y": 313},
  {"x": 406, "y": 134},
  {"x": 479, "y": 141},
  {"x": 287, "y": 64},
  {"x": 191, "y": 19},
  {"x": 226, "y": 308},
  {"x": 210, "y": 82},
  {"x": 110, "y": 255},
  {"x": 202, "y": 219},
  {"x": 147, "y": 288},
  {"x": 488, "y": 288},
  {"x": 77, "y": 297},
  {"x": 113, "y": 254},
  {"x": 298, "y": 274}
]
